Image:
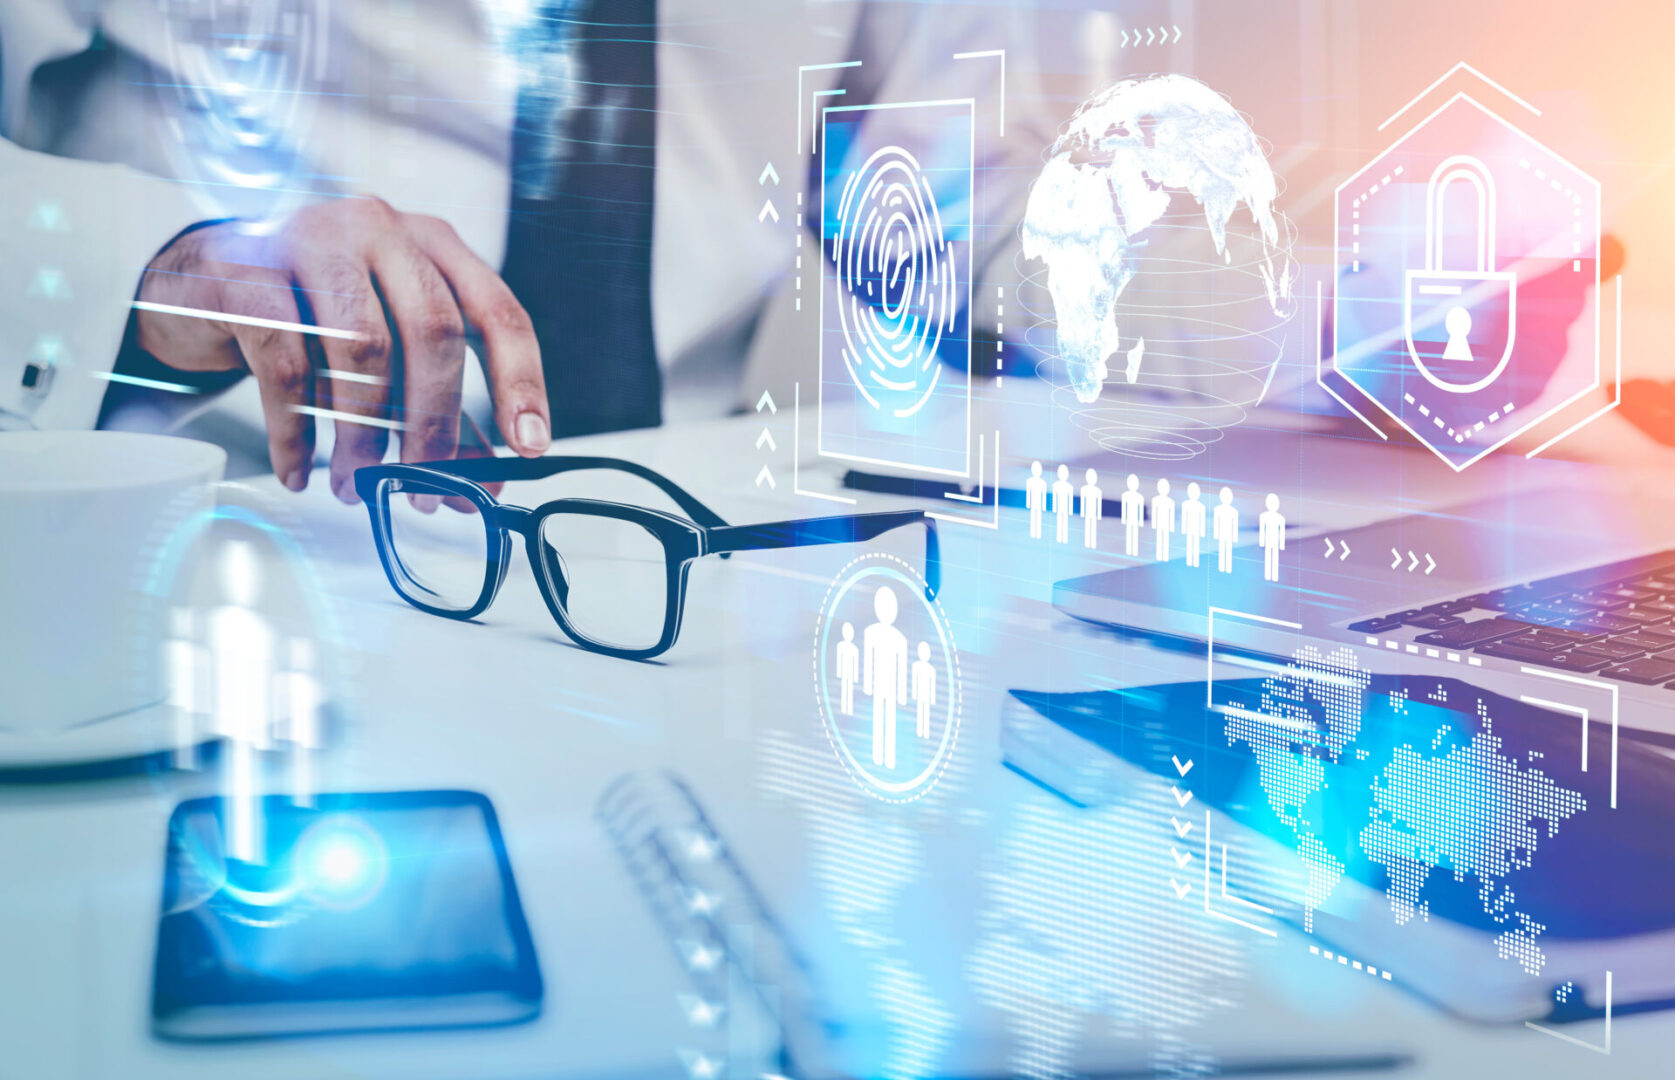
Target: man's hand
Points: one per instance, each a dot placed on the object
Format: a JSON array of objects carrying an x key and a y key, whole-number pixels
[{"x": 404, "y": 285}]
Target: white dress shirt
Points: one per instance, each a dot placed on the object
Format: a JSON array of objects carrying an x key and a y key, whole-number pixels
[{"x": 412, "y": 100}]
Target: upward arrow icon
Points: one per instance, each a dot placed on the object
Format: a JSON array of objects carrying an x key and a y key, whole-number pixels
[
  {"x": 48, "y": 216},
  {"x": 768, "y": 174},
  {"x": 49, "y": 283}
]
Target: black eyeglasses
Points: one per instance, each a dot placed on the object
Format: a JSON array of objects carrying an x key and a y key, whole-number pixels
[{"x": 613, "y": 574}]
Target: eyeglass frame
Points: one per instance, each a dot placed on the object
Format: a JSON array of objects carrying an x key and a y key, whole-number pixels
[{"x": 684, "y": 539}]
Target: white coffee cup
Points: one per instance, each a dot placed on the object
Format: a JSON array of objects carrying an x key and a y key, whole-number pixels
[{"x": 82, "y": 517}]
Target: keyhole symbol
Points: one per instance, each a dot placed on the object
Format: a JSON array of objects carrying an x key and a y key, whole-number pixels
[{"x": 1458, "y": 325}]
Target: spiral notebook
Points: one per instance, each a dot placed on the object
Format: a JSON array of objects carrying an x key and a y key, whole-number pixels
[{"x": 734, "y": 947}]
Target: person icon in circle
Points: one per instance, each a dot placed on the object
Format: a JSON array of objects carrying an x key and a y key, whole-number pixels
[
  {"x": 241, "y": 660},
  {"x": 924, "y": 690},
  {"x": 884, "y": 674},
  {"x": 848, "y": 669}
]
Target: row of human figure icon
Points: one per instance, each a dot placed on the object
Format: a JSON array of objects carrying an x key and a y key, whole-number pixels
[
  {"x": 1191, "y": 517},
  {"x": 225, "y": 679},
  {"x": 880, "y": 664}
]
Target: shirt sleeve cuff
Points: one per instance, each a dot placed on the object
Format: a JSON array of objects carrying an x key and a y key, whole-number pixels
[{"x": 78, "y": 236}]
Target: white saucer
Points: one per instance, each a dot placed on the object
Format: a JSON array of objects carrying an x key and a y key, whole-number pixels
[
  {"x": 136, "y": 741},
  {"x": 138, "y": 733}
]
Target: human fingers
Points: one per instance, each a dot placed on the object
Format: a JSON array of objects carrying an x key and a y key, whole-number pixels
[
  {"x": 432, "y": 333},
  {"x": 278, "y": 359},
  {"x": 356, "y": 340},
  {"x": 479, "y": 446},
  {"x": 182, "y": 283},
  {"x": 515, "y": 377},
  {"x": 472, "y": 444}
]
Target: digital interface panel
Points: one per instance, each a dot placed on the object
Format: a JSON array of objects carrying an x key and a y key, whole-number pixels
[
  {"x": 961, "y": 539},
  {"x": 895, "y": 349}
]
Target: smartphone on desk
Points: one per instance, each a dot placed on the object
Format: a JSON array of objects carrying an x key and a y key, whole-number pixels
[{"x": 364, "y": 912}]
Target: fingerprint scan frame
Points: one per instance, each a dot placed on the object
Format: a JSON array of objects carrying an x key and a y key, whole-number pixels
[{"x": 908, "y": 451}]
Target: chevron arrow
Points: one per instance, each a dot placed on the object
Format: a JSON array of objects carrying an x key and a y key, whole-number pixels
[
  {"x": 765, "y": 475},
  {"x": 1329, "y": 548},
  {"x": 1180, "y": 768},
  {"x": 768, "y": 174},
  {"x": 1181, "y": 828},
  {"x": 1181, "y": 859},
  {"x": 1177, "y": 33},
  {"x": 1181, "y": 798},
  {"x": 699, "y": 1012},
  {"x": 768, "y": 211},
  {"x": 700, "y": 1066},
  {"x": 48, "y": 283},
  {"x": 699, "y": 957},
  {"x": 1412, "y": 561},
  {"x": 1125, "y": 39},
  {"x": 766, "y": 437},
  {"x": 1345, "y": 545},
  {"x": 48, "y": 216},
  {"x": 1181, "y": 890},
  {"x": 1148, "y": 35},
  {"x": 766, "y": 401},
  {"x": 1430, "y": 564},
  {"x": 1398, "y": 556}
]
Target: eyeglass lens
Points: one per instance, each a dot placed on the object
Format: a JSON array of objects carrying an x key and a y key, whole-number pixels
[
  {"x": 611, "y": 577},
  {"x": 441, "y": 559}
]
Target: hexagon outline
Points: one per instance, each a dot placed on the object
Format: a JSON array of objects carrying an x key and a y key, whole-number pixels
[{"x": 1531, "y": 420}]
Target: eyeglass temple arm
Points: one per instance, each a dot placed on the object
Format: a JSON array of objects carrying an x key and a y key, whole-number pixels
[
  {"x": 493, "y": 470},
  {"x": 840, "y": 529}
]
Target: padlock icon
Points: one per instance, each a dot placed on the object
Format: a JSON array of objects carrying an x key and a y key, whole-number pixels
[{"x": 1461, "y": 324}]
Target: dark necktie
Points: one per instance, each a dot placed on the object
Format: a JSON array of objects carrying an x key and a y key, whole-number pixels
[{"x": 578, "y": 251}]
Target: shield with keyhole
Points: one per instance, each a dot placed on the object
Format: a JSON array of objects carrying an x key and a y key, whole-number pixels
[{"x": 1467, "y": 272}]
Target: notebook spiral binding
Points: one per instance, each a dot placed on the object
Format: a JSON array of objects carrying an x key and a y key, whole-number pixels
[{"x": 717, "y": 921}]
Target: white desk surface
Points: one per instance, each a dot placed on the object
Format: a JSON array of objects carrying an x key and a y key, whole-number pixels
[{"x": 507, "y": 707}]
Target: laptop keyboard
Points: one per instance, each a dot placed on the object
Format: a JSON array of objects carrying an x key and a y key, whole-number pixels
[{"x": 1615, "y": 621}]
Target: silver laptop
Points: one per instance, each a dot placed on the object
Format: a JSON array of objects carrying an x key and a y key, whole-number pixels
[{"x": 1564, "y": 595}]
